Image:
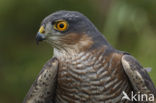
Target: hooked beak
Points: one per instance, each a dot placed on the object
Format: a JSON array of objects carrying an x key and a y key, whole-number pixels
[{"x": 39, "y": 37}]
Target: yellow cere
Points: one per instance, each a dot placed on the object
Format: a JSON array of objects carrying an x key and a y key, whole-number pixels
[{"x": 41, "y": 30}]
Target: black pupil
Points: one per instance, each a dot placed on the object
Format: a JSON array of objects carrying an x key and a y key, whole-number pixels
[{"x": 61, "y": 25}]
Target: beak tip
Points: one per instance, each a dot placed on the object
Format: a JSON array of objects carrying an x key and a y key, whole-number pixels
[{"x": 39, "y": 37}]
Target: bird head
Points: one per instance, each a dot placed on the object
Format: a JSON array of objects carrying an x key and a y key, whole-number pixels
[{"x": 72, "y": 30}]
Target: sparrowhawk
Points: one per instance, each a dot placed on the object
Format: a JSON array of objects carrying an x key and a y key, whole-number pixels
[{"x": 85, "y": 68}]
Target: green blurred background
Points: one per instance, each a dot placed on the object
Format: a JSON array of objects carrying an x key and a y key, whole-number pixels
[{"x": 129, "y": 25}]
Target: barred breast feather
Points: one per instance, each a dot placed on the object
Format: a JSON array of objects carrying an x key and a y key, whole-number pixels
[{"x": 89, "y": 77}]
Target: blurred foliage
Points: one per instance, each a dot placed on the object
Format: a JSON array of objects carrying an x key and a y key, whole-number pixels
[{"x": 129, "y": 25}]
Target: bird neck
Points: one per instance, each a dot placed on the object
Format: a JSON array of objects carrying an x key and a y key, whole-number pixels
[
  {"x": 86, "y": 42},
  {"x": 82, "y": 45},
  {"x": 98, "y": 39}
]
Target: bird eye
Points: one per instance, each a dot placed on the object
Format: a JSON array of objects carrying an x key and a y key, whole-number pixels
[{"x": 61, "y": 25}]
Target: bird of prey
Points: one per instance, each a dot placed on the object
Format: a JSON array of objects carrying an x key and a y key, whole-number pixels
[{"x": 85, "y": 68}]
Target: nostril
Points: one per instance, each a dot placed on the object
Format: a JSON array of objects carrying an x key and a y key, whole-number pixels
[{"x": 42, "y": 30}]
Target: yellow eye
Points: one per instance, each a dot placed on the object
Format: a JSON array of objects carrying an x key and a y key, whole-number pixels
[{"x": 61, "y": 25}]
